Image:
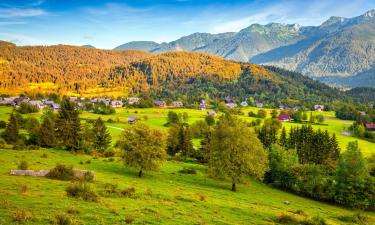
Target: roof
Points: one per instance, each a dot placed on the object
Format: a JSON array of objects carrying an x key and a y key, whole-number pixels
[
  {"x": 370, "y": 125},
  {"x": 284, "y": 116}
]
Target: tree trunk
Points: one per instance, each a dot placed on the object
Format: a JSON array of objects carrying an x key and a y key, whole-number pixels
[
  {"x": 234, "y": 186},
  {"x": 140, "y": 173}
]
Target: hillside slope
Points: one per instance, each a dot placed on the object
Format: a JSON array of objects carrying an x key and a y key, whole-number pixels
[{"x": 173, "y": 75}]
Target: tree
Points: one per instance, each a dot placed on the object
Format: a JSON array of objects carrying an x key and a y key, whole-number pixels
[
  {"x": 180, "y": 140},
  {"x": 47, "y": 136},
  {"x": 143, "y": 147},
  {"x": 351, "y": 178},
  {"x": 68, "y": 126},
  {"x": 210, "y": 120},
  {"x": 283, "y": 141},
  {"x": 268, "y": 132},
  {"x": 102, "y": 138},
  {"x": 262, "y": 113},
  {"x": 235, "y": 151},
  {"x": 11, "y": 132},
  {"x": 274, "y": 113},
  {"x": 173, "y": 118},
  {"x": 32, "y": 127}
]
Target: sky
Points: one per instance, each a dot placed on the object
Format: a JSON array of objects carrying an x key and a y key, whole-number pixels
[{"x": 107, "y": 24}]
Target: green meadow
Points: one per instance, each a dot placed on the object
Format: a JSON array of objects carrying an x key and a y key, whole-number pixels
[{"x": 161, "y": 197}]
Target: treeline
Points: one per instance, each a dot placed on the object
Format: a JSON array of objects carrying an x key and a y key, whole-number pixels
[{"x": 310, "y": 163}]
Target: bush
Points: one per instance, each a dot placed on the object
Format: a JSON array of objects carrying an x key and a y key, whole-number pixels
[
  {"x": 21, "y": 215},
  {"x": 23, "y": 188},
  {"x": 2, "y": 143},
  {"x": 3, "y": 124},
  {"x": 299, "y": 219},
  {"x": 64, "y": 219},
  {"x": 129, "y": 192},
  {"x": 110, "y": 120},
  {"x": 357, "y": 218},
  {"x": 61, "y": 172},
  {"x": 44, "y": 155},
  {"x": 112, "y": 189},
  {"x": 88, "y": 177},
  {"x": 188, "y": 171},
  {"x": 23, "y": 165},
  {"x": 82, "y": 190},
  {"x": 109, "y": 153}
]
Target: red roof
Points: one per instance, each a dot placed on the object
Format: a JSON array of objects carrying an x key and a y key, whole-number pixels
[
  {"x": 370, "y": 126},
  {"x": 284, "y": 117}
]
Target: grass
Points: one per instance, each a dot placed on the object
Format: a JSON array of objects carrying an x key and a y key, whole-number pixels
[{"x": 162, "y": 197}]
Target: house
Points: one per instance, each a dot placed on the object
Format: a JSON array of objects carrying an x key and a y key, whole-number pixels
[
  {"x": 362, "y": 113},
  {"x": 296, "y": 108},
  {"x": 9, "y": 101},
  {"x": 177, "y": 104},
  {"x": 55, "y": 107},
  {"x": 370, "y": 126},
  {"x": 244, "y": 104},
  {"x": 37, "y": 103},
  {"x": 259, "y": 105},
  {"x": 319, "y": 108},
  {"x": 284, "y": 117},
  {"x": 133, "y": 100},
  {"x": 281, "y": 107},
  {"x": 18, "y": 100},
  {"x": 211, "y": 113},
  {"x": 160, "y": 104},
  {"x": 132, "y": 119},
  {"x": 106, "y": 101},
  {"x": 202, "y": 105},
  {"x": 117, "y": 104},
  {"x": 73, "y": 99},
  {"x": 231, "y": 105}
]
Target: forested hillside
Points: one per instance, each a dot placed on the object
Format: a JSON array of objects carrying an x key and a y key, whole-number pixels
[{"x": 184, "y": 75}]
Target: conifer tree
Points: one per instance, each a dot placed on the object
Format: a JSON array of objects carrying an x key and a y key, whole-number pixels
[
  {"x": 11, "y": 133},
  {"x": 68, "y": 126},
  {"x": 47, "y": 136},
  {"x": 102, "y": 138},
  {"x": 283, "y": 138}
]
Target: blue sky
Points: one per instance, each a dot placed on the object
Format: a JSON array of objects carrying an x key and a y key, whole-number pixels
[{"x": 107, "y": 24}]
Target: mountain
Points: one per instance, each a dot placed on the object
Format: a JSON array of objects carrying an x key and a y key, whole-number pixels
[
  {"x": 88, "y": 46},
  {"x": 341, "y": 51},
  {"x": 174, "y": 75},
  {"x": 138, "y": 45}
]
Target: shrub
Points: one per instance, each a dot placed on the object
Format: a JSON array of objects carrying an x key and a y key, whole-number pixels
[
  {"x": 21, "y": 215},
  {"x": 110, "y": 120},
  {"x": 23, "y": 165},
  {"x": 61, "y": 172},
  {"x": 357, "y": 218},
  {"x": 109, "y": 153},
  {"x": 88, "y": 177},
  {"x": 23, "y": 188},
  {"x": 129, "y": 219},
  {"x": 128, "y": 192},
  {"x": 82, "y": 190},
  {"x": 3, "y": 124},
  {"x": 64, "y": 219},
  {"x": 299, "y": 219},
  {"x": 44, "y": 155},
  {"x": 2, "y": 143},
  {"x": 188, "y": 171}
]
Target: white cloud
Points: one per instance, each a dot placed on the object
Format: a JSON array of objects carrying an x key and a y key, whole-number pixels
[
  {"x": 18, "y": 12},
  {"x": 21, "y": 39}
]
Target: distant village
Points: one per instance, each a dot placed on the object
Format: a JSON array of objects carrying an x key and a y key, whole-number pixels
[{"x": 229, "y": 103}]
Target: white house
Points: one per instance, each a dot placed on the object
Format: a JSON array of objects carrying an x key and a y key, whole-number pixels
[
  {"x": 319, "y": 108},
  {"x": 244, "y": 104},
  {"x": 259, "y": 105},
  {"x": 117, "y": 104},
  {"x": 177, "y": 104},
  {"x": 133, "y": 100},
  {"x": 231, "y": 105},
  {"x": 37, "y": 103}
]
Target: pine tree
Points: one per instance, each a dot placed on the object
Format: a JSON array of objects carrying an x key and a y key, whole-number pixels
[
  {"x": 102, "y": 138},
  {"x": 283, "y": 138},
  {"x": 186, "y": 144},
  {"x": 68, "y": 126},
  {"x": 11, "y": 133},
  {"x": 47, "y": 136}
]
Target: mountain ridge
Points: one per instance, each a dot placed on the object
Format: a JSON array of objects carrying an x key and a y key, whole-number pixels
[{"x": 339, "y": 47}]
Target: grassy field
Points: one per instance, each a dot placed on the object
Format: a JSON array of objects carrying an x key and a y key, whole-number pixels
[{"x": 162, "y": 197}]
